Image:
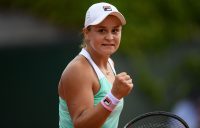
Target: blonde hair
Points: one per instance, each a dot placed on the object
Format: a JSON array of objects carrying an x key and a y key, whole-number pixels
[
  {"x": 83, "y": 44},
  {"x": 85, "y": 41}
]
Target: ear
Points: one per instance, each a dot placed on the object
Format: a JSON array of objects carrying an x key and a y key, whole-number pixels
[{"x": 85, "y": 33}]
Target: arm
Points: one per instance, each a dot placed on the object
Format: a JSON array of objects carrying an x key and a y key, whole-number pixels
[{"x": 78, "y": 93}]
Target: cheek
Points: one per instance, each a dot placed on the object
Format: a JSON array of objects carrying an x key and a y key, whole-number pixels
[
  {"x": 96, "y": 39},
  {"x": 118, "y": 39}
]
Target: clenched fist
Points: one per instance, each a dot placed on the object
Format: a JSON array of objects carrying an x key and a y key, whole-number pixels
[{"x": 122, "y": 85}]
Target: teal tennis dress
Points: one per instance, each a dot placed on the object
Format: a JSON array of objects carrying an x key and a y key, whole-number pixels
[{"x": 112, "y": 121}]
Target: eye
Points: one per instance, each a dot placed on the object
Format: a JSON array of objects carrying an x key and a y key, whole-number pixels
[
  {"x": 116, "y": 30},
  {"x": 101, "y": 30}
]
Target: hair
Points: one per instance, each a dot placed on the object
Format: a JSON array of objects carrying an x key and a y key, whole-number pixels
[
  {"x": 85, "y": 41},
  {"x": 83, "y": 44}
]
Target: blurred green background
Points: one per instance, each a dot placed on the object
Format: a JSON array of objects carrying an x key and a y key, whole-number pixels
[{"x": 160, "y": 49}]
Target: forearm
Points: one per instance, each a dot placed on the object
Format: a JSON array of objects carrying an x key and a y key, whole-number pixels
[{"x": 94, "y": 117}]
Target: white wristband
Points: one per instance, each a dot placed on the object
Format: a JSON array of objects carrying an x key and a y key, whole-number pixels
[
  {"x": 109, "y": 101},
  {"x": 114, "y": 100}
]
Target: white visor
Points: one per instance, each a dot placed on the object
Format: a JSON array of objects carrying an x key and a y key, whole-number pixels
[{"x": 99, "y": 11}]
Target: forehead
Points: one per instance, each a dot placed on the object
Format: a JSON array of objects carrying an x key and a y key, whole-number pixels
[{"x": 110, "y": 21}]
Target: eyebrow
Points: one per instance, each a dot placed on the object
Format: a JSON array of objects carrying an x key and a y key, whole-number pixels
[{"x": 105, "y": 26}]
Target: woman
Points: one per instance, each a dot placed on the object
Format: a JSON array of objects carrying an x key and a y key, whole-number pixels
[{"x": 90, "y": 92}]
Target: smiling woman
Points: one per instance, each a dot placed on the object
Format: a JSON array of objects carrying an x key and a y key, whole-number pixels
[{"x": 90, "y": 91}]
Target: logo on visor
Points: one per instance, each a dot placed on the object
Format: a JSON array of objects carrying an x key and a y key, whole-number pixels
[{"x": 107, "y": 8}]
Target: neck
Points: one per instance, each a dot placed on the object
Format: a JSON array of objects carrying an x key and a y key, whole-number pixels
[{"x": 100, "y": 60}]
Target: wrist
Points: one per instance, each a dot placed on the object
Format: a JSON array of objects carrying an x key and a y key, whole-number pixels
[
  {"x": 116, "y": 95},
  {"x": 109, "y": 102}
]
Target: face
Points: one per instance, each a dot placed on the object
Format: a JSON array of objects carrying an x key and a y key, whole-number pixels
[{"x": 105, "y": 37}]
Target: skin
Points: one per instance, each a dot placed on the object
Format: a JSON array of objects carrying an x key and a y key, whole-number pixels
[{"x": 79, "y": 83}]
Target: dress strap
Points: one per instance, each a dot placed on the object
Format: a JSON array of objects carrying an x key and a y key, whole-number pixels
[
  {"x": 95, "y": 67},
  {"x": 111, "y": 65}
]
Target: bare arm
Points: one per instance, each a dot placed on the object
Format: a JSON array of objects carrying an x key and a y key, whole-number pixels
[
  {"x": 77, "y": 86},
  {"x": 77, "y": 83}
]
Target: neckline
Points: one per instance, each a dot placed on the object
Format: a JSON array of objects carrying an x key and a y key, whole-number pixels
[{"x": 99, "y": 72}]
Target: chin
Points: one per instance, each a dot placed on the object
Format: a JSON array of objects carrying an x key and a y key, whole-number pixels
[{"x": 109, "y": 52}]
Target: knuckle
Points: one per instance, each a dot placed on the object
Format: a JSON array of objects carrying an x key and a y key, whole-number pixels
[{"x": 120, "y": 79}]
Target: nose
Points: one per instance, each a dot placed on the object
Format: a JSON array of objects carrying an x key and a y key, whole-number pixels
[{"x": 109, "y": 36}]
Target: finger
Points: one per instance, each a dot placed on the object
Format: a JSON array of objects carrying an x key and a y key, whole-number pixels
[
  {"x": 127, "y": 77},
  {"x": 122, "y": 74},
  {"x": 129, "y": 81}
]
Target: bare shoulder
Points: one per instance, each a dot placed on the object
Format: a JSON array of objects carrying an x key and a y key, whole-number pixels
[
  {"x": 77, "y": 67},
  {"x": 77, "y": 75}
]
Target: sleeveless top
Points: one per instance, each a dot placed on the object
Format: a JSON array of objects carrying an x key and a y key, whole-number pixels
[{"x": 105, "y": 87}]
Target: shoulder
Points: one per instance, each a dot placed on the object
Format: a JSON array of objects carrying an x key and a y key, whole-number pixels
[
  {"x": 77, "y": 78},
  {"x": 78, "y": 68},
  {"x": 78, "y": 74}
]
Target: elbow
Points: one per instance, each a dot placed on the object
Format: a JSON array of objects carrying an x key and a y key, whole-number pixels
[{"x": 77, "y": 124}]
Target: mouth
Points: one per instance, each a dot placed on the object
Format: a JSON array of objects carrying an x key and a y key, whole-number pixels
[{"x": 108, "y": 44}]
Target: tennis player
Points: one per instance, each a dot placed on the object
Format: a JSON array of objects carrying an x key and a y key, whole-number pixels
[{"x": 90, "y": 92}]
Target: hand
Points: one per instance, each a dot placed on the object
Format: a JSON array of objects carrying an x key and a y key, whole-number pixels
[{"x": 122, "y": 85}]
